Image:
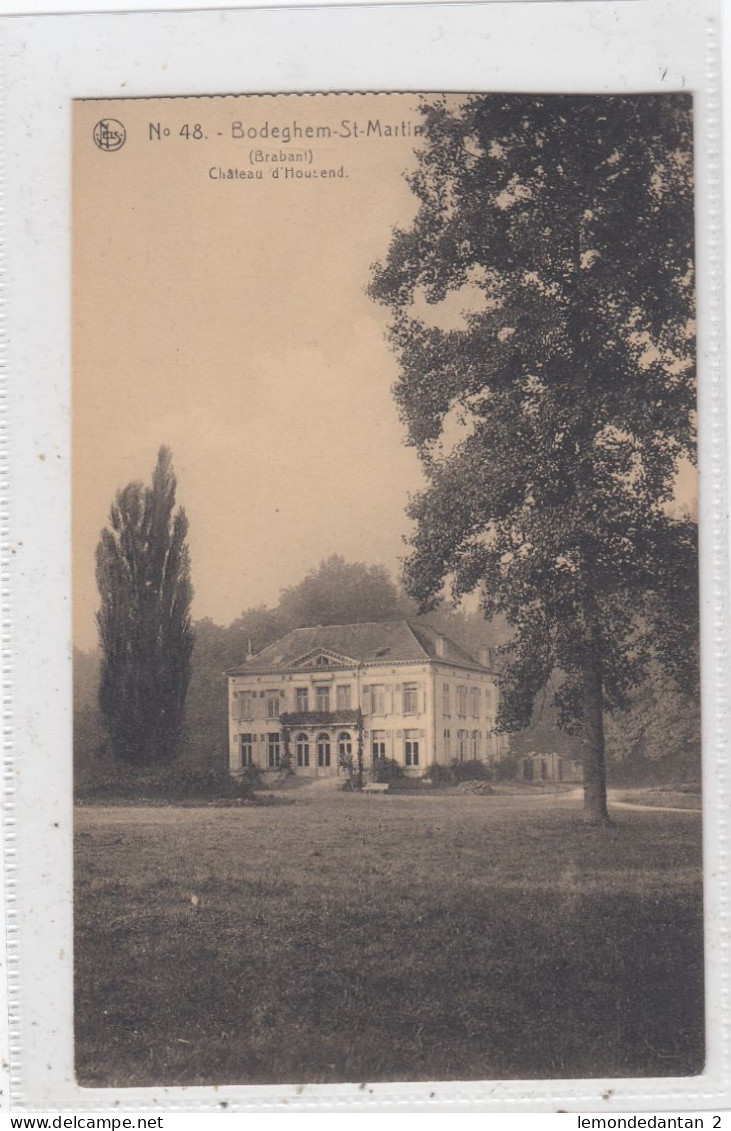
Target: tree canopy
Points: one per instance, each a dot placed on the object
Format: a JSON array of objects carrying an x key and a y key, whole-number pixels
[
  {"x": 340, "y": 592},
  {"x": 143, "y": 576},
  {"x": 552, "y": 413}
]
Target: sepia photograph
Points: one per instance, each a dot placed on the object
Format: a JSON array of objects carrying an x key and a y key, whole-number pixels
[{"x": 386, "y": 664}]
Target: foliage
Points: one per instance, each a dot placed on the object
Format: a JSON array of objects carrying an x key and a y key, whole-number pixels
[
  {"x": 90, "y": 741},
  {"x": 506, "y": 769},
  {"x": 388, "y": 770},
  {"x": 143, "y": 576},
  {"x": 438, "y": 774},
  {"x": 347, "y": 762},
  {"x": 468, "y": 771},
  {"x": 339, "y": 592},
  {"x": 544, "y": 733},
  {"x": 215, "y": 650},
  {"x": 457, "y": 772},
  {"x": 178, "y": 782},
  {"x": 659, "y": 738},
  {"x": 567, "y": 222}
]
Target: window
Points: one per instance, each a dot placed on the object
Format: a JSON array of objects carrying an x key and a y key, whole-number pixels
[
  {"x": 246, "y": 749},
  {"x": 378, "y": 699},
  {"x": 246, "y": 710},
  {"x": 323, "y": 749},
  {"x": 378, "y": 744},
  {"x": 447, "y": 738},
  {"x": 272, "y": 704},
  {"x": 303, "y": 698},
  {"x": 272, "y": 751},
  {"x": 475, "y": 751},
  {"x": 462, "y": 744},
  {"x": 411, "y": 747},
  {"x": 322, "y": 698},
  {"x": 475, "y": 702},
  {"x": 345, "y": 748},
  {"x": 303, "y": 750},
  {"x": 411, "y": 698},
  {"x": 447, "y": 707},
  {"x": 461, "y": 700},
  {"x": 343, "y": 696}
]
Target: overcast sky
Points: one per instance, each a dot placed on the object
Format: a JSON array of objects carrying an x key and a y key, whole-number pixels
[{"x": 228, "y": 319}]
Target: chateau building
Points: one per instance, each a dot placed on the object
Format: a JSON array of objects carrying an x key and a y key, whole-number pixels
[{"x": 393, "y": 689}]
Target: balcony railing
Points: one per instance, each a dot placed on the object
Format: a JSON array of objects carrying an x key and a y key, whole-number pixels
[{"x": 319, "y": 718}]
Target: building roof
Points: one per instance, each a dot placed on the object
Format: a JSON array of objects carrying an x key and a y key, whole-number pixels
[{"x": 372, "y": 642}]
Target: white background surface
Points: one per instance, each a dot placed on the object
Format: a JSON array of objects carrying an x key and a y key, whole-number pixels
[{"x": 590, "y": 46}]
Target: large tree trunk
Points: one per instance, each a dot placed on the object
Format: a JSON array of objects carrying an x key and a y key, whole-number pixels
[{"x": 595, "y": 772}]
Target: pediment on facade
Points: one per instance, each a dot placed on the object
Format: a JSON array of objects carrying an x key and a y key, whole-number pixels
[{"x": 321, "y": 659}]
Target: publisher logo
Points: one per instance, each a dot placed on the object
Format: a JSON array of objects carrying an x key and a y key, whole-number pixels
[{"x": 109, "y": 135}]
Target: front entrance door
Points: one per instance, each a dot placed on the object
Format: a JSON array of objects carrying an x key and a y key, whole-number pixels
[{"x": 324, "y": 754}]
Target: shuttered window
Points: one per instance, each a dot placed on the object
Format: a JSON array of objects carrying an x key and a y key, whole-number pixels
[
  {"x": 342, "y": 692},
  {"x": 411, "y": 747},
  {"x": 246, "y": 750},
  {"x": 411, "y": 698},
  {"x": 272, "y": 751},
  {"x": 378, "y": 744},
  {"x": 378, "y": 699}
]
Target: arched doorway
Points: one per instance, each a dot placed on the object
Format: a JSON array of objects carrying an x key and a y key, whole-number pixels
[
  {"x": 345, "y": 748},
  {"x": 323, "y": 751},
  {"x": 302, "y": 746}
]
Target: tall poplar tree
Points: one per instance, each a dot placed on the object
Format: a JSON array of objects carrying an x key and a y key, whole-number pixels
[
  {"x": 551, "y": 417},
  {"x": 143, "y": 576}
]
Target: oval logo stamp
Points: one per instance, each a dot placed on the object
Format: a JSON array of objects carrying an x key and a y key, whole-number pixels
[{"x": 109, "y": 135}]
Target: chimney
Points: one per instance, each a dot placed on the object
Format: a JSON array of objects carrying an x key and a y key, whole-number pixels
[
  {"x": 440, "y": 645},
  {"x": 485, "y": 656}
]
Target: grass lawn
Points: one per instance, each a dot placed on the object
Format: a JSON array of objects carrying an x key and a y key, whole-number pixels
[
  {"x": 661, "y": 797},
  {"x": 352, "y": 938}
]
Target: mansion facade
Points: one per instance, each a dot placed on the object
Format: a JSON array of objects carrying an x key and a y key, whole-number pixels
[{"x": 321, "y": 696}]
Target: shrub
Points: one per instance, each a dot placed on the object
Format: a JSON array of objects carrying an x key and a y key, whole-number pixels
[
  {"x": 173, "y": 782},
  {"x": 438, "y": 774},
  {"x": 388, "y": 770},
  {"x": 468, "y": 771},
  {"x": 474, "y": 786},
  {"x": 507, "y": 768}
]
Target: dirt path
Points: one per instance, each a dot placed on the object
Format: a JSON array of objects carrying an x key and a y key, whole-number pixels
[{"x": 640, "y": 808}]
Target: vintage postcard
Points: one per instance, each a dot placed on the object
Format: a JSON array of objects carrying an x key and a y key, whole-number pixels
[
  {"x": 387, "y": 751},
  {"x": 369, "y": 669}
]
